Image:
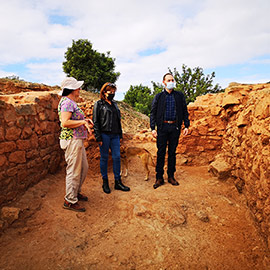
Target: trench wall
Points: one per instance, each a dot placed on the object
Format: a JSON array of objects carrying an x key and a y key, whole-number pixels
[
  {"x": 246, "y": 147},
  {"x": 29, "y": 145},
  {"x": 241, "y": 116}
]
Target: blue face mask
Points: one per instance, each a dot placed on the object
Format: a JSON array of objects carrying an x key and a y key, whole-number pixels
[{"x": 170, "y": 85}]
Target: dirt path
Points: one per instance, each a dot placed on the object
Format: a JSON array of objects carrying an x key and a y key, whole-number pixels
[{"x": 201, "y": 224}]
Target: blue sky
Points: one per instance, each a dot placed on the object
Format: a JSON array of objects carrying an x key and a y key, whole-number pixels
[{"x": 229, "y": 37}]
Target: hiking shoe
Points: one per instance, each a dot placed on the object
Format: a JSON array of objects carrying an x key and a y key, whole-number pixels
[
  {"x": 73, "y": 206},
  {"x": 82, "y": 197},
  {"x": 172, "y": 181}
]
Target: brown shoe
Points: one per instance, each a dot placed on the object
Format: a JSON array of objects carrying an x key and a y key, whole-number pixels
[
  {"x": 159, "y": 182},
  {"x": 73, "y": 206},
  {"x": 82, "y": 197},
  {"x": 172, "y": 181}
]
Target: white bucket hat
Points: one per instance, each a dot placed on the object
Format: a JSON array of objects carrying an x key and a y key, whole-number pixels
[{"x": 71, "y": 84}]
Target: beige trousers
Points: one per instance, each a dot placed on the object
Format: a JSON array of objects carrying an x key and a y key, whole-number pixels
[{"x": 77, "y": 167}]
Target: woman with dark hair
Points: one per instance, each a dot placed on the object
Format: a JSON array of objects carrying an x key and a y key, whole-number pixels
[
  {"x": 108, "y": 132},
  {"x": 74, "y": 129}
]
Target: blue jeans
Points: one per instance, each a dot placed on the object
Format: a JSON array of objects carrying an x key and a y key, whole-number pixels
[{"x": 110, "y": 141}]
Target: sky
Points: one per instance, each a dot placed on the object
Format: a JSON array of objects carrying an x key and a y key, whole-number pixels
[{"x": 146, "y": 37}]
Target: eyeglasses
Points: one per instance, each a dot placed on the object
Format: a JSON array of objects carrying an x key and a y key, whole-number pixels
[{"x": 111, "y": 85}]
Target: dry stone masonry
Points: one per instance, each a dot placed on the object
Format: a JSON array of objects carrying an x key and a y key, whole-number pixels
[
  {"x": 29, "y": 147},
  {"x": 242, "y": 115},
  {"x": 246, "y": 146}
]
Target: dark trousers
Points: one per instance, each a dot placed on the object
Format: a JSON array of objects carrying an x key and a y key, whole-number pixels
[{"x": 168, "y": 135}]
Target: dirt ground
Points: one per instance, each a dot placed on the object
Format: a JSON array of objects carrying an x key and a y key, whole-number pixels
[{"x": 201, "y": 224}]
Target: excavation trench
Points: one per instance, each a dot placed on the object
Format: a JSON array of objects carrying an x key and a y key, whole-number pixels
[{"x": 201, "y": 224}]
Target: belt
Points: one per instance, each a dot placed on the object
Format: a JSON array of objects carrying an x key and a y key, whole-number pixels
[{"x": 169, "y": 122}]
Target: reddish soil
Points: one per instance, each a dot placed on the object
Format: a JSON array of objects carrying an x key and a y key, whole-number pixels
[{"x": 201, "y": 224}]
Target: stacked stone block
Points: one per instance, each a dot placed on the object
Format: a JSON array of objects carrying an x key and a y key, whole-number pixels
[
  {"x": 29, "y": 145},
  {"x": 246, "y": 147}
]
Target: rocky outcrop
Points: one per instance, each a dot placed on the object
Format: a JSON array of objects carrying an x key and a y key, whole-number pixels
[{"x": 8, "y": 86}]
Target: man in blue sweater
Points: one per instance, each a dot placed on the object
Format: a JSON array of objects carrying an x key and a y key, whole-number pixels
[{"x": 169, "y": 111}]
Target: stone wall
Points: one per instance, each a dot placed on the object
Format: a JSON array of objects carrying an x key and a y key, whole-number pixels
[
  {"x": 29, "y": 131},
  {"x": 245, "y": 153},
  {"x": 207, "y": 128},
  {"x": 206, "y": 131},
  {"x": 247, "y": 149},
  {"x": 29, "y": 145}
]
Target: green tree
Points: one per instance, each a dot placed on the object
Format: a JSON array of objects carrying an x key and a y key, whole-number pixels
[
  {"x": 157, "y": 88},
  {"x": 13, "y": 77},
  {"x": 193, "y": 82},
  {"x": 140, "y": 98},
  {"x": 85, "y": 63}
]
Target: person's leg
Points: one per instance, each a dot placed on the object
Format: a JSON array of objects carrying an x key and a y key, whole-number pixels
[
  {"x": 104, "y": 155},
  {"x": 83, "y": 173},
  {"x": 115, "y": 148},
  {"x": 73, "y": 156},
  {"x": 173, "y": 138},
  {"x": 162, "y": 138}
]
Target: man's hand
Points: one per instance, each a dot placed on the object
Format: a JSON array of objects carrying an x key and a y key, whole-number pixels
[
  {"x": 154, "y": 133},
  {"x": 185, "y": 132}
]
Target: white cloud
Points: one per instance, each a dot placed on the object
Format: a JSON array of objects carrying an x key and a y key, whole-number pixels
[
  {"x": 260, "y": 61},
  {"x": 4, "y": 74},
  {"x": 47, "y": 73},
  {"x": 207, "y": 33},
  {"x": 253, "y": 79}
]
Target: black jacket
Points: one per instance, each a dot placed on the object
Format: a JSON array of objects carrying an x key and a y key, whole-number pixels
[
  {"x": 102, "y": 118},
  {"x": 159, "y": 107}
]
